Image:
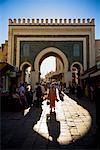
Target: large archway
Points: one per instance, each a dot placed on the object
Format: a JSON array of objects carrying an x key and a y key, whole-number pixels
[{"x": 50, "y": 51}]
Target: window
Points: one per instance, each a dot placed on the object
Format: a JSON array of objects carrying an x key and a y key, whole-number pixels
[
  {"x": 26, "y": 50},
  {"x": 76, "y": 50}
]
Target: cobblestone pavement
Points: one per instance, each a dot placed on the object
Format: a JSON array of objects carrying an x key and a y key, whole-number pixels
[{"x": 72, "y": 126}]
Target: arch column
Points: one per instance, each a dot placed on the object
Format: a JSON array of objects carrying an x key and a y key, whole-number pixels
[
  {"x": 34, "y": 77},
  {"x": 22, "y": 75},
  {"x": 67, "y": 77}
]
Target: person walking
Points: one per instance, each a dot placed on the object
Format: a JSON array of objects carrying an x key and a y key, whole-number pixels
[
  {"x": 37, "y": 95},
  {"x": 22, "y": 94},
  {"x": 79, "y": 91},
  {"x": 52, "y": 97}
]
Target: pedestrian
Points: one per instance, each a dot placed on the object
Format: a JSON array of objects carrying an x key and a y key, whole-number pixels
[
  {"x": 37, "y": 96},
  {"x": 43, "y": 89},
  {"x": 91, "y": 92},
  {"x": 29, "y": 95},
  {"x": 22, "y": 94},
  {"x": 79, "y": 91},
  {"x": 73, "y": 89},
  {"x": 52, "y": 96}
]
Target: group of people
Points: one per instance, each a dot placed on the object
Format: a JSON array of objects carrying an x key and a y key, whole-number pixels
[
  {"x": 22, "y": 95},
  {"x": 27, "y": 97}
]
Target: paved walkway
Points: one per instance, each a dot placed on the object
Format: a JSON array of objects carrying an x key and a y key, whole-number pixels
[{"x": 72, "y": 126}]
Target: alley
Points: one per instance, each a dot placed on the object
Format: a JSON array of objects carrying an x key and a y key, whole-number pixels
[{"x": 72, "y": 126}]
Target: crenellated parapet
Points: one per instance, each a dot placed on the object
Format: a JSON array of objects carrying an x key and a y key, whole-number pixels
[{"x": 52, "y": 21}]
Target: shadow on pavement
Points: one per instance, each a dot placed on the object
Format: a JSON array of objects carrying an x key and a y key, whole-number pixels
[
  {"x": 93, "y": 132},
  {"x": 53, "y": 126},
  {"x": 17, "y": 131}
]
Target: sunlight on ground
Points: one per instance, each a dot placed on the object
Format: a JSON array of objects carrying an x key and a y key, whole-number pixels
[
  {"x": 72, "y": 122},
  {"x": 26, "y": 111}
]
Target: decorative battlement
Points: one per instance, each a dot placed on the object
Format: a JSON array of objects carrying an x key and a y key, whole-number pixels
[{"x": 52, "y": 21}]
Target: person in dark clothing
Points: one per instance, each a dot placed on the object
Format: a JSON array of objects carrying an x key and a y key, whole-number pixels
[
  {"x": 39, "y": 94},
  {"x": 29, "y": 96},
  {"x": 79, "y": 91},
  {"x": 73, "y": 89}
]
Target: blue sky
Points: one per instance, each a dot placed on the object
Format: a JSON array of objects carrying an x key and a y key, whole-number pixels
[{"x": 47, "y": 9}]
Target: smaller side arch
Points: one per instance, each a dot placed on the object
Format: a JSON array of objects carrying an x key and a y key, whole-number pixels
[
  {"x": 25, "y": 63},
  {"x": 81, "y": 67}
]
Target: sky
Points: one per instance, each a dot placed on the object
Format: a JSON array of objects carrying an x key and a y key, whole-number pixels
[
  {"x": 47, "y": 65},
  {"x": 42, "y": 9}
]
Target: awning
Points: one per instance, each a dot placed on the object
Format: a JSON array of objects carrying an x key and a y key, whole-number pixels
[
  {"x": 4, "y": 67},
  {"x": 57, "y": 76},
  {"x": 95, "y": 74},
  {"x": 84, "y": 76},
  {"x": 88, "y": 72}
]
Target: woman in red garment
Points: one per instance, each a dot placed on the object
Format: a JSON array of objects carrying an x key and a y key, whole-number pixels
[{"x": 52, "y": 97}]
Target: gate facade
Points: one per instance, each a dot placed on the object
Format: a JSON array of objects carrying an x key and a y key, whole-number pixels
[{"x": 31, "y": 41}]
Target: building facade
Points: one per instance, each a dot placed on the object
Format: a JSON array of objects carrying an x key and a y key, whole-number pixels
[
  {"x": 4, "y": 52},
  {"x": 31, "y": 41},
  {"x": 7, "y": 71}
]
